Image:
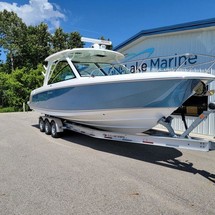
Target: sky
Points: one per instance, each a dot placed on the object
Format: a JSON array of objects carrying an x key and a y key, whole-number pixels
[{"x": 117, "y": 20}]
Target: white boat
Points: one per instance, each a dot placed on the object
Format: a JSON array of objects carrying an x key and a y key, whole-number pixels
[{"x": 87, "y": 86}]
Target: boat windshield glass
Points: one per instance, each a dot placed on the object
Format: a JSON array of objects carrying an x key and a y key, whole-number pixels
[{"x": 100, "y": 69}]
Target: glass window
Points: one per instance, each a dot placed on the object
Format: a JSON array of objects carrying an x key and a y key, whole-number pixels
[
  {"x": 113, "y": 69},
  {"x": 61, "y": 72},
  {"x": 88, "y": 69},
  {"x": 100, "y": 69}
]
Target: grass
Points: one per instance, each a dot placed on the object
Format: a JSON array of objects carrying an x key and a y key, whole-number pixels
[{"x": 7, "y": 109}]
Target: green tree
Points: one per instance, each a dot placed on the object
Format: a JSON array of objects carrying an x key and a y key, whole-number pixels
[
  {"x": 12, "y": 35},
  {"x": 18, "y": 85},
  {"x": 25, "y": 46},
  {"x": 74, "y": 40},
  {"x": 3, "y": 78},
  {"x": 38, "y": 45},
  {"x": 59, "y": 40}
]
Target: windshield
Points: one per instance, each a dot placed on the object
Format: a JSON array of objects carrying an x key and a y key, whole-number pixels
[{"x": 100, "y": 69}]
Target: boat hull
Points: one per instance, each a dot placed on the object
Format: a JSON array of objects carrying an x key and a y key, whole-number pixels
[
  {"x": 125, "y": 106},
  {"x": 130, "y": 121}
]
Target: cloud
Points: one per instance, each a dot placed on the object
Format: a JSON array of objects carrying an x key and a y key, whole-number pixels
[{"x": 36, "y": 11}]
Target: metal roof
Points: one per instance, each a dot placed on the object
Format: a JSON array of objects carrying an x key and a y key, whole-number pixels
[{"x": 169, "y": 29}]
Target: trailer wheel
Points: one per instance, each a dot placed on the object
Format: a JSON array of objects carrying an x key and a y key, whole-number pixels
[
  {"x": 54, "y": 132},
  {"x": 47, "y": 127},
  {"x": 41, "y": 124}
]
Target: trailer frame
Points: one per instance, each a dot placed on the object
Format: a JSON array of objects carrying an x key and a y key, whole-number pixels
[{"x": 55, "y": 126}]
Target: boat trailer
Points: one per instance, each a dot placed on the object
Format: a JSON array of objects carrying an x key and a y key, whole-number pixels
[{"x": 55, "y": 126}]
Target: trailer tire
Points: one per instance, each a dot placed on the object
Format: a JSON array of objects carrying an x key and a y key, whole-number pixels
[
  {"x": 41, "y": 124},
  {"x": 47, "y": 127},
  {"x": 54, "y": 132}
]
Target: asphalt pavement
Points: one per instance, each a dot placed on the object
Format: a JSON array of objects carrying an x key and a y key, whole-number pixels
[{"x": 76, "y": 174}]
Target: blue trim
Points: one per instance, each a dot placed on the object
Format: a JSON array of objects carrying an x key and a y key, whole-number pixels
[
  {"x": 136, "y": 94},
  {"x": 168, "y": 29}
]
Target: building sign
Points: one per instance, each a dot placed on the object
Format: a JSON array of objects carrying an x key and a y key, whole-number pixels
[{"x": 149, "y": 63}]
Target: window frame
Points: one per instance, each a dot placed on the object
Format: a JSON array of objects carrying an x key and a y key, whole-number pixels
[{"x": 60, "y": 72}]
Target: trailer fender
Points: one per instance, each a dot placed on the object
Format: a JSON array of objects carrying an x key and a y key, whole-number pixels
[{"x": 59, "y": 124}]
